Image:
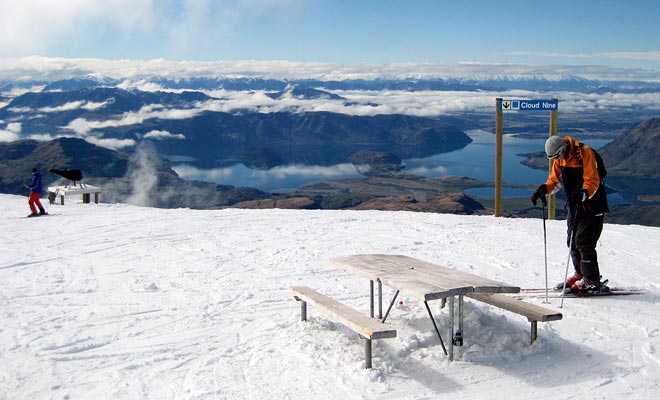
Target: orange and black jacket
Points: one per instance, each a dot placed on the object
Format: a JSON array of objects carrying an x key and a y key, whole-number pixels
[{"x": 577, "y": 172}]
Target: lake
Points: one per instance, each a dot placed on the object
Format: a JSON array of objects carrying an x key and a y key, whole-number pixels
[{"x": 476, "y": 160}]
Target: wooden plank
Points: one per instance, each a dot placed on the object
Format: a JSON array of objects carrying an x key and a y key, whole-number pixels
[
  {"x": 422, "y": 290},
  {"x": 376, "y": 265},
  {"x": 449, "y": 276},
  {"x": 418, "y": 278},
  {"x": 368, "y": 328},
  {"x": 533, "y": 312},
  {"x": 410, "y": 284}
]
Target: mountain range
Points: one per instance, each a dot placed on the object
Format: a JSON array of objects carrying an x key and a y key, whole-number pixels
[
  {"x": 177, "y": 121},
  {"x": 210, "y": 138},
  {"x": 123, "y": 175},
  {"x": 491, "y": 82}
]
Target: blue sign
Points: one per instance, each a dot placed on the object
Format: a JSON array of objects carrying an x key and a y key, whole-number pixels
[{"x": 529, "y": 105}]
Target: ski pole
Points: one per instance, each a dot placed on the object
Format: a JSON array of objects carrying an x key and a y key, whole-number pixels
[
  {"x": 545, "y": 248},
  {"x": 568, "y": 261}
]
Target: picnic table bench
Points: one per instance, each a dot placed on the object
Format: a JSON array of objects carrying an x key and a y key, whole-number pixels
[
  {"x": 533, "y": 312},
  {"x": 427, "y": 281},
  {"x": 367, "y": 328}
]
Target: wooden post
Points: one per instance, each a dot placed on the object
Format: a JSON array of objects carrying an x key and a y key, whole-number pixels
[
  {"x": 553, "y": 132},
  {"x": 498, "y": 157}
]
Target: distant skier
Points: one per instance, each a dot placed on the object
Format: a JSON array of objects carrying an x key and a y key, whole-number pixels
[
  {"x": 575, "y": 168},
  {"x": 36, "y": 187}
]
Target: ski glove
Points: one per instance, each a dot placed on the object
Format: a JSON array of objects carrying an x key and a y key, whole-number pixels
[
  {"x": 579, "y": 196},
  {"x": 540, "y": 194}
]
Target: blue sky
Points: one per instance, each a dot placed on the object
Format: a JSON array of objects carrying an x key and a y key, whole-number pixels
[{"x": 608, "y": 33}]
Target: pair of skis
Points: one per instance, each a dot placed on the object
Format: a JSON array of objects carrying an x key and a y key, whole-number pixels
[{"x": 556, "y": 292}]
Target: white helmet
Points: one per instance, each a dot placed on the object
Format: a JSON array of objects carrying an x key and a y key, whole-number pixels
[{"x": 554, "y": 146}]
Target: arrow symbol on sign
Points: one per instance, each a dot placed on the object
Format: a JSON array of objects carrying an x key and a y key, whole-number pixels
[{"x": 506, "y": 104}]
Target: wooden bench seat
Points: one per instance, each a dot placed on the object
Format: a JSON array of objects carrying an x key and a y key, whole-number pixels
[
  {"x": 367, "y": 328},
  {"x": 533, "y": 312}
]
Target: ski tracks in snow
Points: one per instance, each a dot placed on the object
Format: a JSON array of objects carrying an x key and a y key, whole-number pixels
[{"x": 114, "y": 301}]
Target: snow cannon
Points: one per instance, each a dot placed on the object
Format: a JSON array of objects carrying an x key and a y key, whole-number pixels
[{"x": 73, "y": 175}]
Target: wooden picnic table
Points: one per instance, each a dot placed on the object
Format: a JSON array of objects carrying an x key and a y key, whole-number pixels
[{"x": 422, "y": 280}]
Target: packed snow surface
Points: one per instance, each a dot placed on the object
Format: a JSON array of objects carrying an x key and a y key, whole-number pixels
[{"x": 113, "y": 301}]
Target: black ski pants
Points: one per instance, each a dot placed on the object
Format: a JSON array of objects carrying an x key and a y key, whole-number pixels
[{"x": 586, "y": 231}]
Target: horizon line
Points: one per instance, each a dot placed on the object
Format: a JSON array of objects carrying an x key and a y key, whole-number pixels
[{"x": 57, "y": 68}]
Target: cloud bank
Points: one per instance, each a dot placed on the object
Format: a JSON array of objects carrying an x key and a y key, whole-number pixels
[
  {"x": 139, "y": 75},
  {"x": 353, "y": 102},
  {"x": 366, "y": 103},
  {"x": 49, "y": 69},
  {"x": 280, "y": 177}
]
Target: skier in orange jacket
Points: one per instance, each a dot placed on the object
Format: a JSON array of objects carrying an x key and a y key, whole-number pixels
[{"x": 575, "y": 168}]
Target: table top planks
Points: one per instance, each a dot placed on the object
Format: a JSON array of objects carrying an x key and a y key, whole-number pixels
[{"x": 418, "y": 278}]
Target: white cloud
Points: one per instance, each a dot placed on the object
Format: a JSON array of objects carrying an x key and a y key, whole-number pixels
[
  {"x": 74, "y": 105},
  {"x": 277, "y": 173},
  {"x": 311, "y": 170},
  {"x": 618, "y": 55},
  {"x": 33, "y": 25},
  {"x": 91, "y": 106},
  {"x": 159, "y": 135},
  {"x": 44, "y": 68},
  {"x": 11, "y": 132},
  {"x": 550, "y": 54},
  {"x": 633, "y": 55},
  {"x": 198, "y": 23},
  {"x": 212, "y": 175},
  {"x": 145, "y": 86},
  {"x": 84, "y": 126},
  {"x": 43, "y": 137},
  {"x": 172, "y": 26},
  {"x": 113, "y": 144},
  {"x": 20, "y": 110},
  {"x": 17, "y": 91},
  {"x": 428, "y": 171}
]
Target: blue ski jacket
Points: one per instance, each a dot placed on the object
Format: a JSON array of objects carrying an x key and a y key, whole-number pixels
[{"x": 37, "y": 182}]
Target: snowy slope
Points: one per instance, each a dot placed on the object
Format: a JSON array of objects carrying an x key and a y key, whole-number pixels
[{"x": 122, "y": 302}]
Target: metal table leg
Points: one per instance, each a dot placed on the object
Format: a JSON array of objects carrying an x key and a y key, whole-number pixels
[
  {"x": 436, "y": 327},
  {"x": 371, "y": 297},
  {"x": 380, "y": 299},
  {"x": 457, "y": 340},
  {"x": 451, "y": 327},
  {"x": 390, "y": 307},
  {"x": 367, "y": 354}
]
